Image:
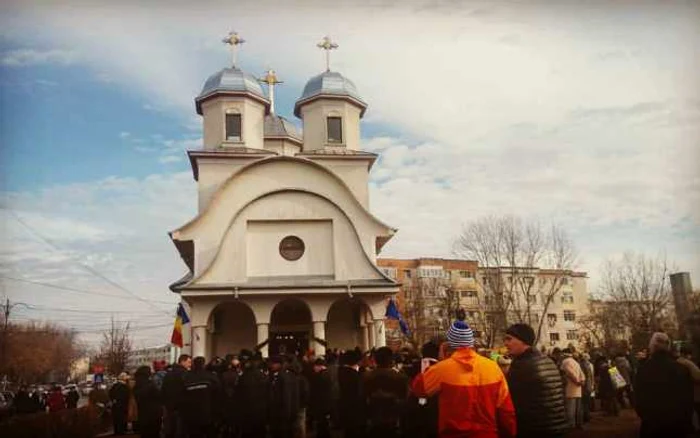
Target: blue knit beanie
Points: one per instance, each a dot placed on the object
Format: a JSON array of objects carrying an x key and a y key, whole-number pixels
[{"x": 460, "y": 335}]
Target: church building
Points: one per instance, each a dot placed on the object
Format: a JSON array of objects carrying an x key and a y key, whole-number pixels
[{"x": 281, "y": 256}]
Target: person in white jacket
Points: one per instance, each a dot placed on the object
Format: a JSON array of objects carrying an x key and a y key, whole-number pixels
[{"x": 574, "y": 379}]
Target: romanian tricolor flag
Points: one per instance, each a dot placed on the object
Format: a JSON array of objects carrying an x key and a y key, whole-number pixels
[{"x": 180, "y": 320}]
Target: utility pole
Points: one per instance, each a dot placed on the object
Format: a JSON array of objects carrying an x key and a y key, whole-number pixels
[{"x": 5, "y": 336}]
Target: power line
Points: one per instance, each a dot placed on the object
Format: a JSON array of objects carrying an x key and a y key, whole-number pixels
[
  {"x": 74, "y": 290},
  {"x": 84, "y": 266},
  {"x": 59, "y": 309}
]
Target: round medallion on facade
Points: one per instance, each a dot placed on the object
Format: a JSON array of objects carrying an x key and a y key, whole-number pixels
[{"x": 292, "y": 248}]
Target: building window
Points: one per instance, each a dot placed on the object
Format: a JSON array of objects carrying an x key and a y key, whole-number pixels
[
  {"x": 335, "y": 129},
  {"x": 554, "y": 337},
  {"x": 571, "y": 335},
  {"x": 407, "y": 273},
  {"x": 465, "y": 274},
  {"x": 567, "y": 298},
  {"x": 551, "y": 319},
  {"x": 569, "y": 315},
  {"x": 468, "y": 294},
  {"x": 528, "y": 281},
  {"x": 292, "y": 248},
  {"x": 532, "y": 299},
  {"x": 233, "y": 127},
  {"x": 564, "y": 281}
]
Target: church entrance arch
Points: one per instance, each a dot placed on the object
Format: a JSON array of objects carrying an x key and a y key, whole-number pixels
[
  {"x": 290, "y": 327},
  {"x": 346, "y": 325},
  {"x": 232, "y": 328}
]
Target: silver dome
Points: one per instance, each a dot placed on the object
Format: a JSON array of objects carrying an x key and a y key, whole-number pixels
[
  {"x": 329, "y": 83},
  {"x": 230, "y": 80}
]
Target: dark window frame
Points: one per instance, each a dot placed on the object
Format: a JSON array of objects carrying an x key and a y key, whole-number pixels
[
  {"x": 331, "y": 136},
  {"x": 239, "y": 118}
]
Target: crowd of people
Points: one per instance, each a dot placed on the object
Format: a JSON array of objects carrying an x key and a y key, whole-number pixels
[
  {"x": 449, "y": 389},
  {"x": 30, "y": 402}
]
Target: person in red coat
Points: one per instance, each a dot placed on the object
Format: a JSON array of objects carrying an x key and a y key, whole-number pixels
[{"x": 56, "y": 401}]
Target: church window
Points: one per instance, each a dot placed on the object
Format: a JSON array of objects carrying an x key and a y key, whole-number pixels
[
  {"x": 292, "y": 248},
  {"x": 335, "y": 130},
  {"x": 233, "y": 127}
]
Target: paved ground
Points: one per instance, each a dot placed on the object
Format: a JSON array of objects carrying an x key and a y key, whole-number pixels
[{"x": 624, "y": 426}]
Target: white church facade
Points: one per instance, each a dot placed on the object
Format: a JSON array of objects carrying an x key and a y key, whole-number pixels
[{"x": 282, "y": 253}]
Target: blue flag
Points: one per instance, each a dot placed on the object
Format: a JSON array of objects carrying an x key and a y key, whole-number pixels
[{"x": 392, "y": 312}]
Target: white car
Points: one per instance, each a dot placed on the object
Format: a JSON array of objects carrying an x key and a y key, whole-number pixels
[{"x": 67, "y": 388}]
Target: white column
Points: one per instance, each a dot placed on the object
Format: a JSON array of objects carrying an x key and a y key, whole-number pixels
[
  {"x": 372, "y": 335},
  {"x": 199, "y": 341},
  {"x": 320, "y": 333},
  {"x": 364, "y": 334},
  {"x": 263, "y": 335},
  {"x": 380, "y": 340}
]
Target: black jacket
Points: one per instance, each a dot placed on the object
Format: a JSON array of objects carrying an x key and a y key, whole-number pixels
[
  {"x": 320, "y": 393},
  {"x": 283, "y": 402},
  {"x": 384, "y": 391},
  {"x": 119, "y": 394},
  {"x": 251, "y": 393},
  {"x": 173, "y": 388},
  {"x": 350, "y": 404},
  {"x": 664, "y": 396},
  {"x": 148, "y": 404},
  {"x": 538, "y": 395},
  {"x": 202, "y": 398}
]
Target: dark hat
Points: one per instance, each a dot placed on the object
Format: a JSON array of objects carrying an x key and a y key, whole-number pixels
[
  {"x": 523, "y": 332},
  {"x": 276, "y": 359}
]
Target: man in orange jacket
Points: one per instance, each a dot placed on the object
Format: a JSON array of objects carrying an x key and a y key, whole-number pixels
[{"x": 474, "y": 400}]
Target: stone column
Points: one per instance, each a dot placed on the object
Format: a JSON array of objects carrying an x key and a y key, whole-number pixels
[
  {"x": 263, "y": 335},
  {"x": 320, "y": 333},
  {"x": 372, "y": 335},
  {"x": 199, "y": 341},
  {"x": 380, "y": 340},
  {"x": 364, "y": 335}
]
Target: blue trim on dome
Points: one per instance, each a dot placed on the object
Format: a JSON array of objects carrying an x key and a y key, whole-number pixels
[{"x": 230, "y": 80}]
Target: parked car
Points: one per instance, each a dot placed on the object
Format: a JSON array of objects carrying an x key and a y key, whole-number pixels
[
  {"x": 67, "y": 388},
  {"x": 6, "y": 405}
]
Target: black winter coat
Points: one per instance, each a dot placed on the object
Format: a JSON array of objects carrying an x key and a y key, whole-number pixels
[
  {"x": 664, "y": 397},
  {"x": 538, "y": 395},
  {"x": 350, "y": 404},
  {"x": 202, "y": 398},
  {"x": 149, "y": 407},
  {"x": 173, "y": 387},
  {"x": 320, "y": 394},
  {"x": 252, "y": 388},
  {"x": 283, "y": 404}
]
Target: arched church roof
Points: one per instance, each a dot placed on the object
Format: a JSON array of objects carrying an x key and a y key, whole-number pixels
[
  {"x": 230, "y": 80},
  {"x": 332, "y": 84}
]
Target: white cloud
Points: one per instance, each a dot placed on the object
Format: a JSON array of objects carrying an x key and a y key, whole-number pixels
[
  {"x": 165, "y": 159},
  {"x": 124, "y": 134},
  {"x": 28, "y": 57},
  {"x": 586, "y": 115}
]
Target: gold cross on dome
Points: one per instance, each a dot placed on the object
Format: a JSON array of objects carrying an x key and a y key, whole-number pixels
[
  {"x": 327, "y": 45},
  {"x": 271, "y": 80},
  {"x": 233, "y": 40}
]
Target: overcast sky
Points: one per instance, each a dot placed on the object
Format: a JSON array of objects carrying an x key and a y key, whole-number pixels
[{"x": 587, "y": 116}]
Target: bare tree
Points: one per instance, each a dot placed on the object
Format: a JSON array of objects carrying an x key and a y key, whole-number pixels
[
  {"x": 39, "y": 352},
  {"x": 511, "y": 253},
  {"x": 116, "y": 347},
  {"x": 424, "y": 309},
  {"x": 639, "y": 286}
]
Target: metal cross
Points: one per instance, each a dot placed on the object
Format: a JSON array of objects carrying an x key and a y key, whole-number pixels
[
  {"x": 271, "y": 80},
  {"x": 233, "y": 40},
  {"x": 327, "y": 45}
]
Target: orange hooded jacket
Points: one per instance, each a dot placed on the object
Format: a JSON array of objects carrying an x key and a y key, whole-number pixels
[{"x": 474, "y": 400}]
